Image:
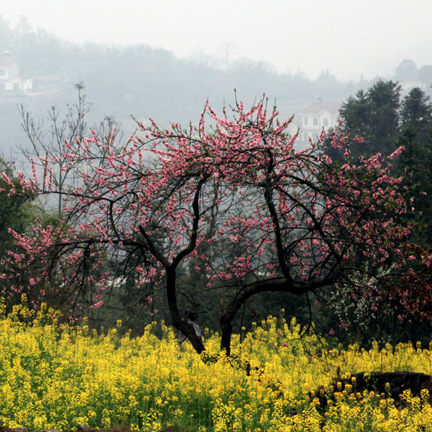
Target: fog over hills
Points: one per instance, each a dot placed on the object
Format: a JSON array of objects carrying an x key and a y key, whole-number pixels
[
  {"x": 125, "y": 73},
  {"x": 345, "y": 37}
]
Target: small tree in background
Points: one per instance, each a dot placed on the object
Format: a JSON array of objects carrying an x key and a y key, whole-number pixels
[
  {"x": 288, "y": 221},
  {"x": 50, "y": 144}
]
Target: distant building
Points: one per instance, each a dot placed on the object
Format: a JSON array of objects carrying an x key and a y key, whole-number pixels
[
  {"x": 314, "y": 119},
  {"x": 10, "y": 79}
]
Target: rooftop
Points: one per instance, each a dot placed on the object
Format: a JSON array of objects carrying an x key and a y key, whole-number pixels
[
  {"x": 6, "y": 61},
  {"x": 317, "y": 107}
]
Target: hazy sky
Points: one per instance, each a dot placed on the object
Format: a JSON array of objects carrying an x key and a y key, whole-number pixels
[{"x": 348, "y": 37}]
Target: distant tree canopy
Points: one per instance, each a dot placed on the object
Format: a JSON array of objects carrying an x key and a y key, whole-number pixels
[
  {"x": 153, "y": 82},
  {"x": 407, "y": 70}
]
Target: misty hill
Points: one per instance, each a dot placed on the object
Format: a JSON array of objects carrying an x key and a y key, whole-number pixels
[{"x": 143, "y": 82}]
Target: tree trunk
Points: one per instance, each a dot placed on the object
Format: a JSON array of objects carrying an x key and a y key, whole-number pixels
[
  {"x": 179, "y": 322},
  {"x": 226, "y": 326},
  {"x": 249, "y": 291}
]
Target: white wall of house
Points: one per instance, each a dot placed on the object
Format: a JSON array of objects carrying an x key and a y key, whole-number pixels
[
  {"x": 16, "y": 84},
  {"x": 319, "y": 121},
  {"x": 26, "y": 84},
  {"x": 13, "y": 84},
  {"x": 8, "y": 72},
  {"x": 10, "y": 79},
  {"x": 314, "y": 120}
]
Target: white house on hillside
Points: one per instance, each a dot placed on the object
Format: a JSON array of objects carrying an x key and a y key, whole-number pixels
[
  {"x": 313, "y": 120},
  {"x": 10, "y": 79},
  {"x": 317, "y": 117}
]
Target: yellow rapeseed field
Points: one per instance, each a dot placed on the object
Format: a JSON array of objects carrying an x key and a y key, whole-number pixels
[{"x": 54, "y": 376}]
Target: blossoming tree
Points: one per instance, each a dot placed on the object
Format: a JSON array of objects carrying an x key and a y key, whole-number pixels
[{"x": 166, "y": 197}]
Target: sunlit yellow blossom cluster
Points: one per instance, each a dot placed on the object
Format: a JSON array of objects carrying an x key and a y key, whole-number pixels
[{"x": 55, "y": 376}]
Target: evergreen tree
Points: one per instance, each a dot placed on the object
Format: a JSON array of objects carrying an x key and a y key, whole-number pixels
[
  {"x": 415, "y": 162},
  {"x": 374, "y": 116},
  {"x": 384, "y": 103},
  {"x": 416, "y": 111}
]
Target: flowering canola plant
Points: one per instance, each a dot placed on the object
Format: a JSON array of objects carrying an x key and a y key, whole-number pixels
[{"x": 57, "y": 376}]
